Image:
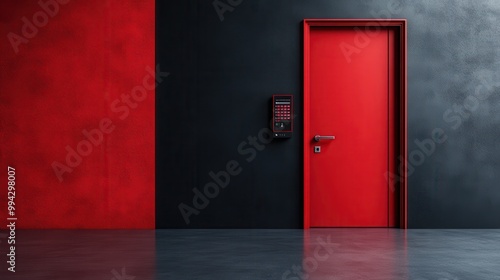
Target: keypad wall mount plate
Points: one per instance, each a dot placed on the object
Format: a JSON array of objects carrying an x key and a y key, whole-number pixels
[{"x": 282, "y": 115}]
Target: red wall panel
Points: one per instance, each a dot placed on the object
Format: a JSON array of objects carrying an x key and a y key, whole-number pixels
[{"x": 75, "y": 72}]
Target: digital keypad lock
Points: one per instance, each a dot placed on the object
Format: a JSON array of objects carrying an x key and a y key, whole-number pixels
[{"x": 282, "y": 115}]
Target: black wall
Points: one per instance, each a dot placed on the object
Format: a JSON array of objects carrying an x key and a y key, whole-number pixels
[{"x": 224, "y": 72}]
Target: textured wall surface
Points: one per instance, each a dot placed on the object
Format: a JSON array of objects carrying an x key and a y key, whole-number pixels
[
  {"x": 66, "y": 72},
  {"x": 225, "y": 68}
]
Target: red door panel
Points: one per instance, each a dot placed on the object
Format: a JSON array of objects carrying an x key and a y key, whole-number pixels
[{"x": 351, "y": 89}]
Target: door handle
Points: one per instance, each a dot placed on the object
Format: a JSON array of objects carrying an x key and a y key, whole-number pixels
[{"x": 317, "y": 138}]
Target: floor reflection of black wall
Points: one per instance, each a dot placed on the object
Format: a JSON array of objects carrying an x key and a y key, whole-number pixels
[
  {"x": 227, "y": 254},
  {"x": 224, "y": 72},
  {"x": 82, "y": 255}
]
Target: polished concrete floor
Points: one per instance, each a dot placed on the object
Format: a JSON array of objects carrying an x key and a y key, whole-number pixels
[{"x": 255, "y": 254}]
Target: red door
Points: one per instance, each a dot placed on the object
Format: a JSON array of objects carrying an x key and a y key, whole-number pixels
[{"x": 352, "y": 97}]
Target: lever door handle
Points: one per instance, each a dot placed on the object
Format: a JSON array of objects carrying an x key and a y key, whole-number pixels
[{"x": 317, "y": 138}]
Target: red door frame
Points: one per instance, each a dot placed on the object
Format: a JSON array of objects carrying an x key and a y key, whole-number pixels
[{"x": 401, "y": 26}]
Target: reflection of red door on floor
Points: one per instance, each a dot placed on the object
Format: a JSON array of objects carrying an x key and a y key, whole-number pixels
[{"x": 352, "y": 89}]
